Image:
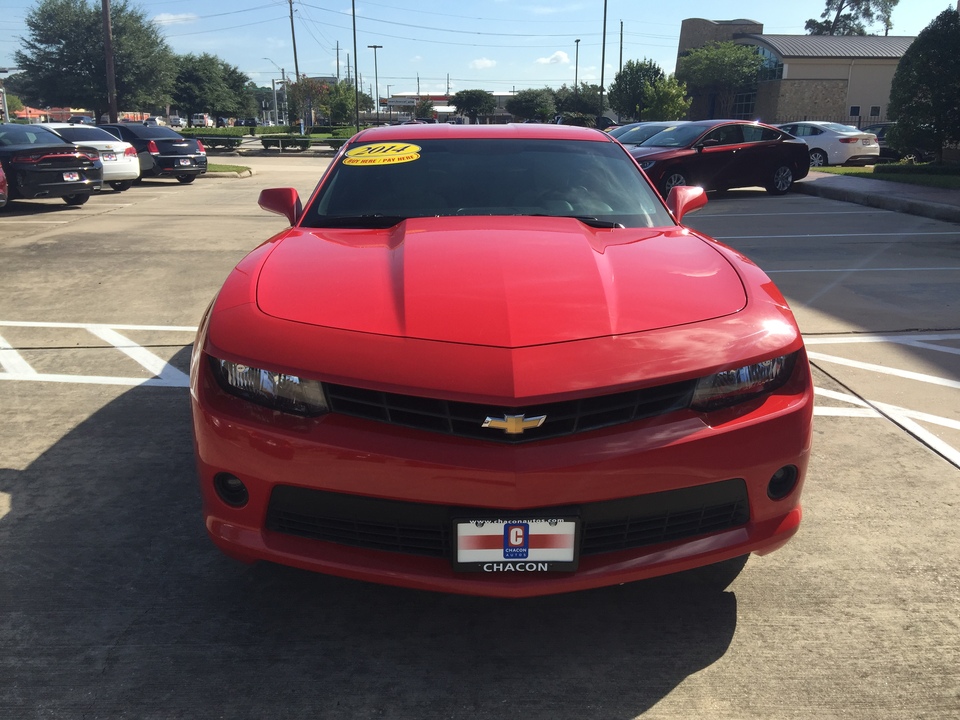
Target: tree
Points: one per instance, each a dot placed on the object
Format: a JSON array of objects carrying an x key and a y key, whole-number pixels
[
  {"x": 627, "y": 94},
  {"x": 666, "y": 99},
  {"x": 341, "y": 103},
  {"x": 850, "y": 17},
  {"x": 532, "y": 105},
  {"x": 63, "y": 60},
  {"x": 473, "y": 103},
  {"x": 719, "y": 71},
  {"x": 306, "y": 97},
  {"x": 582, "y": 100},
  {"x": 925, "y": 93},
  {"x": 423, "y": 108}
]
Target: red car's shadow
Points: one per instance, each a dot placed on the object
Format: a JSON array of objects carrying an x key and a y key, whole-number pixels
[{"x": 115, "y": 604}]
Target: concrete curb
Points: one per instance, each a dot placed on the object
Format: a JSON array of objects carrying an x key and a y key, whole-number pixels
[
  {"x": 891, "y": 199},
  {"x": 243, "y": 174}
]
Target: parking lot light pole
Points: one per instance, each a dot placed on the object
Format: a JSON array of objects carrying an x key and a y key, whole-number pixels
[{"x": 376, "y": 78}]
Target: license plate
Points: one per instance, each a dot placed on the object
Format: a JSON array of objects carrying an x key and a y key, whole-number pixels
[
  {"x": 107, "y": 157},
  {"x": 71, "y": 176},
  {"x": 184, "y": 161},
  {"x": 516, "y": 545}
]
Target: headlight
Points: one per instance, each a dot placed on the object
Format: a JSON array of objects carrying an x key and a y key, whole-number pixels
[
  {"x": 287, "y": 393},
  {"x": 730, "y": 387},
  {"x": 647, "y": 164}
]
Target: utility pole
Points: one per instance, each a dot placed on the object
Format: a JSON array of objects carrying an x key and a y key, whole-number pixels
[
  {"x": 576, "y": 66},
  {"x": 376, "y": 79},
  {"x": 620, "y": 69},
  {"x": 108, "y": 53},
  {"x": 338, "y": 62},
  {"x": 356, "y": 86},
  {"x": 293, "y": 36},
  {"x": 603, "y": 56}
]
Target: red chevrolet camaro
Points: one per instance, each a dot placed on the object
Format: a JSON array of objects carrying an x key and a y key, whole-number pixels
[{"x": 490, "y": 360}]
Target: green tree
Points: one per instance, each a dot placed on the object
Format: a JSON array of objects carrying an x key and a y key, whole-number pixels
[
  {"x": 925, "y": 93},
  {"x": 423, "y": 108},
  {"x": 306, "y": 97},
  {"x": 341, "y": 103},
  {"x": 473, "y": 103},
  {"x": 532, "y": 105},
  {"x": 719, "y": 71},
  {"x": 582, "y": 100},
  {"x": 851, "y": 17},
  {"x": 627, "y": 92},
  {"x": 63, "y": 59},
  {"x": 666, "y": 99}
]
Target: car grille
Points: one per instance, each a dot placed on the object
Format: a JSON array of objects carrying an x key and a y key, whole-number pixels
[
  {"x": 466, "y": 419},
  {"x": 423, "y": 529}
]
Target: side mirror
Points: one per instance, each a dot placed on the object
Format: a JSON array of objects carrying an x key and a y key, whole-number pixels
[
  {"x": 282, "y": 201},
  {"x": 684, "y": 198}
]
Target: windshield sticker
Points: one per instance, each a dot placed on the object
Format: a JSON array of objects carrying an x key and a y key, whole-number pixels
[{"x": 382, "y": 154}]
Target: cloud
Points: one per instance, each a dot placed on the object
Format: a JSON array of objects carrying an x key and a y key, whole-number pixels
[
  {"x": 174, "y": 19},
  {"x": 482, "y": 64},
  {"x": 558, "y": 58}
]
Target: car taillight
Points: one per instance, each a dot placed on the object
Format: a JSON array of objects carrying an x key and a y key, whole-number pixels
[
  {"x": 202, "y": 150},
  {"x": 30, "y": 159},
  {"x": 92, "y": 157},
  {"x": 847, "y": 141},
  {"x": 130, "y": 152},
  {"x": 152, "y": 148}
]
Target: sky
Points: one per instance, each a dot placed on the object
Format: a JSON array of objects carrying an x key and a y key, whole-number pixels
[{"x": 437, "y": 46}]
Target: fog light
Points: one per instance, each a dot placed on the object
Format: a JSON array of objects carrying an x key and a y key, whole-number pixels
[
  {"x": 230, "y": 489},
  {"x": 783, "y": 482}
]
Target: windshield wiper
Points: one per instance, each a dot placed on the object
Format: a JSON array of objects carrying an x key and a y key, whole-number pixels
[
  {"x": 374, "y": 220},
  {"x": 586, "y": 220}
]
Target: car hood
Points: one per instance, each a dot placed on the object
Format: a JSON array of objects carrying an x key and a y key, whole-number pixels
[
  {"x": 497, "y": 281},
  {"x": 643, "y": 151}
]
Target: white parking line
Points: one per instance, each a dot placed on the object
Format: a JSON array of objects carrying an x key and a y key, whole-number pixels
[
  {"x": 11, "y": 361},
  {"x": 883, "y": 370},
  {"x": 857, "y": 270}
]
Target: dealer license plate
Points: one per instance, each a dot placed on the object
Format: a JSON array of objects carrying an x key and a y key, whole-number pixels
[
  {"x": 107, "y": 157},
  {"x": 516, "y": 545},
  {"x": 71, "y": 176},
  {"x": 184, "y": 161}
]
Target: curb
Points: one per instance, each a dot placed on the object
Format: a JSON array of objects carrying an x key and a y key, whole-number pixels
[
  {"x": 243, "y": 174},
  {"x": 885, "y": 201}
]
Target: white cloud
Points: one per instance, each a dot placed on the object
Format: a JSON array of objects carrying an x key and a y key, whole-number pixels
[
  {"x": 558, "y": 58},
  {"x": 482, "y": 64},
  {"x": 174, "y": 19}
]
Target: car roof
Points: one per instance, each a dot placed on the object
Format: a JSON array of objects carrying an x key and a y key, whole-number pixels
[{"x": 445, "y": 131}]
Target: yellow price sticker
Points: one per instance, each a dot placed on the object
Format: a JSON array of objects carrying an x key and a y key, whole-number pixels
[{"x": 382, "y": 154}]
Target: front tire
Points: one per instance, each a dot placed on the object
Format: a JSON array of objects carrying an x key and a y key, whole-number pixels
[
  {"x": 121, "y": 185},
  {"x": 76, "y": 199},
  {"x": 781, "y": 180},
  {"x": 186, "y": 179},
  {"x": 818, "y": 158},
  {"x": 673, "y": 179}
]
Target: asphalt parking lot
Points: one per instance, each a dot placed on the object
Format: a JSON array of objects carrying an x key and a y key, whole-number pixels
[{"x": 113, "y": 604}]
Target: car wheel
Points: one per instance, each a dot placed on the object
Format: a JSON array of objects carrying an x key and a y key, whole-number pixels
[
  {"x": 781, "y": 180},
  {"x": 76, "y": 199},
  {"x": 186, "y": 179},
  {"x": 673, "y": 179},
  {"x": 818, "y": 158},
  {"x": 121, "y": 185}
]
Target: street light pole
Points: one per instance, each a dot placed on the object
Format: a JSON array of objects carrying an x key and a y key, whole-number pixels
[
  {"x": 576, "y": 65},
  {"x": 376, "y": 78}
]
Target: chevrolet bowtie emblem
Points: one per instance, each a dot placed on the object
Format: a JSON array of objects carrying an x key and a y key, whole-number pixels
[{"x": 514, "y": 424}]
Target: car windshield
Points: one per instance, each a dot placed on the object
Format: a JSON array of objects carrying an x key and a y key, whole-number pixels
[
  {"x": 28, "y": 135},
  {"x": 85, "y": 134},
  {"x": 679, "y": 136},
  {"x": 380, "y": 184},
  {"x": 636, "y": 135}
]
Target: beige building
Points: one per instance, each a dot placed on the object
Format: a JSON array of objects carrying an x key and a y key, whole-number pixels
[{"x": 814, "y": 77}]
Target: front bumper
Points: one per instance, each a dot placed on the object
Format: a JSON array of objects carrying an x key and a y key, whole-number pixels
[{"x": 401, "y": 473}]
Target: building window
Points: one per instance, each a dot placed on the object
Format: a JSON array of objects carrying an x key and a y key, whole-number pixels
[
  {"x": 772, "y": 68},
  {"x": 874, "y": 111},
  {"x": 854, "y": 111},
  {"x": 743, "y": 105}
]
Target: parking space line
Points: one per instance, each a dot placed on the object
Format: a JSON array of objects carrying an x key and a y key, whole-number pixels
[
  {"x": 11, "y": 361},
  {"x": 882, "y": 369},
  {"x": 159, "y": 367},
  {"x": 858, "y": 270},
  {"x": 99, "y": 380}
]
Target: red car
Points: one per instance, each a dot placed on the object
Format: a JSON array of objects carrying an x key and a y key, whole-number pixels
[
  {"x": 723, "y": 154},
  {"x": 490, "y": 360}
]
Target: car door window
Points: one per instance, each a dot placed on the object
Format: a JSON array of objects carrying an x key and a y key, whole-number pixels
[{"x": 726, "y": 135}]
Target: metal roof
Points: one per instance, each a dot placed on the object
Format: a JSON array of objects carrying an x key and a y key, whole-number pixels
[{"x": 831, "y": 46}]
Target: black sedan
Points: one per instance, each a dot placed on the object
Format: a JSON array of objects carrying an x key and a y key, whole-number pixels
[
  {"x": 723, "y": 154},
  {"x": 163, "y": 152},
  {"x": 41, "y": 164}
]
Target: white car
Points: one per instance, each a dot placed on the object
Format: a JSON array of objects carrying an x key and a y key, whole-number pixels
[
  {"x": 831, "y": 143},
  {"x": 121, "y": 165}
]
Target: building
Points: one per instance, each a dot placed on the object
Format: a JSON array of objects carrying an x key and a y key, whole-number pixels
[{"x": 806, "y": 77}]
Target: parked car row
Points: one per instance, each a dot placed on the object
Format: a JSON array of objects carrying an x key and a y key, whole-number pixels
[
  {"x": 716, "y": 154},
  {"x": 38, "y": 163},
  {"x": 74, "y": 160},
  {"x": 831, "y": 143}
]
